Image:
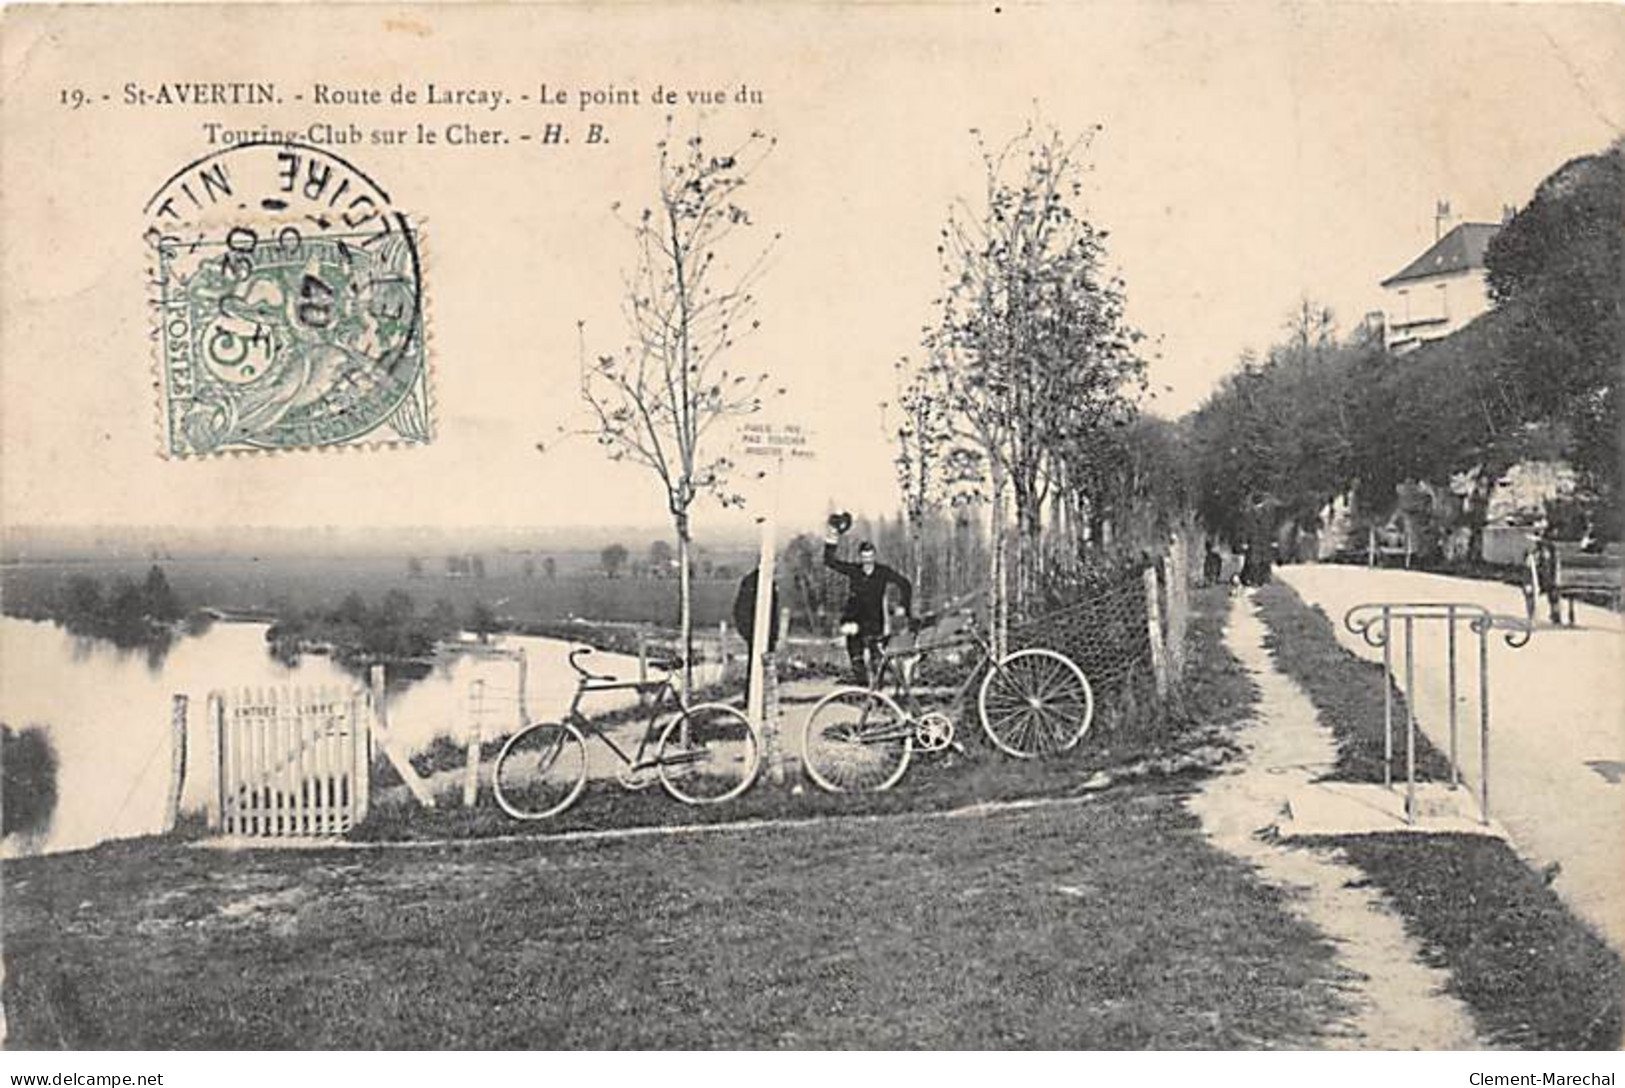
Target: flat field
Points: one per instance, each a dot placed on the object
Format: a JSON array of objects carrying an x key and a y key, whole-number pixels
[{"x": 579, "y": 590}]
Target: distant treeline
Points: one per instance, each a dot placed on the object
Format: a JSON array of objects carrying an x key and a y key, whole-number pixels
[
  {"x": 127, "y": 612},
  {"x": 613, "y": 561},
  {"x": 357, "y": 633}
]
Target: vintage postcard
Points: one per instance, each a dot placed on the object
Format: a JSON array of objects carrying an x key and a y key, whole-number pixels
[{"x": 813, "y": 526}]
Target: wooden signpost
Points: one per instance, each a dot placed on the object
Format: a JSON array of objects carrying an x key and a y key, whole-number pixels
[{"x": 775, "y": 443}]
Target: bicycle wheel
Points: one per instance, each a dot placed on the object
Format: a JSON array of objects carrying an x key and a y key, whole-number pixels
[
  {"x": 713, "y": 759},
  {"x": 856, "y": 741},
  {"x": 540, "y": 771},
  {"x": 1035, "y": 702}
]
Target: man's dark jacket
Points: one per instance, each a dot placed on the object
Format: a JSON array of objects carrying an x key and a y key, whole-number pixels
[
  {"x": 745, "y": 611},
  {"x": 866, "y": 593}
]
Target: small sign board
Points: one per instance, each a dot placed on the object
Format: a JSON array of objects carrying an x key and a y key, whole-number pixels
[{"x": 789, "y": 440}]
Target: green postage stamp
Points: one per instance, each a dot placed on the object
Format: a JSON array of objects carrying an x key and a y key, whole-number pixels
[{"x": 290, "y": 313}]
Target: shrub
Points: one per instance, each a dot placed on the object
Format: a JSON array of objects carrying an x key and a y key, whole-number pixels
[{"x": 28, "y": 792}]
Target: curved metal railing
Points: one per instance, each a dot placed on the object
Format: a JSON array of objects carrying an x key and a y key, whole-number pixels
[{"x": 1374, "y": 622}]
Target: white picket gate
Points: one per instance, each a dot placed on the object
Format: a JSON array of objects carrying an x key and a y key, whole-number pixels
[{"x": 290, "y": 762}]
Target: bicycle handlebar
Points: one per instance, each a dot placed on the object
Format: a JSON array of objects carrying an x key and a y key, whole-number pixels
[
  {"x": 664, "y": 664},
  {"x": 583, "y": 651}
]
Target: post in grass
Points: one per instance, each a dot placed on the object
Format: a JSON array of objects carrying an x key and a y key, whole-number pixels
[
  {"x": 761, "y": 628},
  {"x": 776, "y": 443}
]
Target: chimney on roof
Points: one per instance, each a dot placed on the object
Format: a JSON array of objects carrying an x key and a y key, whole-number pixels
[{"x": 1441, "y": 216}]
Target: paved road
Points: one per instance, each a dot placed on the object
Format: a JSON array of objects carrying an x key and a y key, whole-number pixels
[{"x": 1557, "y": 725}]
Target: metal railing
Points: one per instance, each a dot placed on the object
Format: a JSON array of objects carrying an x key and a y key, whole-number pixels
[{"x": 1374, "y": 622}]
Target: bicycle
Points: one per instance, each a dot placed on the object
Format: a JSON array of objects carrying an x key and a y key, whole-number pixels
[
  {"x": 704, "y": 755},
  {"x": 1031, "y": 702}
]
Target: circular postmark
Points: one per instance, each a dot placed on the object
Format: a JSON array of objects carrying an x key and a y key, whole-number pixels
[{"x": 289, "y": 299}]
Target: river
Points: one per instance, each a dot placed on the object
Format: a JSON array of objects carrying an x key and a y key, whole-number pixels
[{"x": 107, "y": 712}]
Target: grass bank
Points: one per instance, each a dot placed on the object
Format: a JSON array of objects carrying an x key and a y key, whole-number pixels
[
  {"x": 1534, "y": 975},
  {"x": 1108, "y": 922},
  {"x": 1102, "y": 925}
]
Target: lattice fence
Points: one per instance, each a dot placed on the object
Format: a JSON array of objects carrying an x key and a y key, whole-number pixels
[{"x": 1126, "y": 629}]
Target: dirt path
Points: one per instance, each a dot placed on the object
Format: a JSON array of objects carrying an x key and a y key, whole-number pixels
[{"x": 1399, "y": 1003}]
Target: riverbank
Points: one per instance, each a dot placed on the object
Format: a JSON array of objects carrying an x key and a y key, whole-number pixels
[{"x": 108, "y": 712}]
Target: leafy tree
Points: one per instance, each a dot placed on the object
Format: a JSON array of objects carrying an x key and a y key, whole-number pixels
[
  {"x": 1140, "y": 482},
  {"x": 613, "y": 558},
  {"x": 442, "y": 616},
  {"x": 160, "y": 601},
  {"x": 1557, "y": 269},
  {"x": 482, "y": 621},
  {"x": 476, "y": 566},
  {"x": 352, "y": 610},
  {"x": 82, "y": 601},
  {"x": 28, "y": 793},
  {"x": 397, "y": 607},
  {"x": 658, "y": 401},
  {"x": 414, "y": 567},
  {"x": 1284, "y": 435},
  {"x": 550, "y": 568},
  {"x": 361, "y": 634},
  {"x": 126, "y": 612},
  {"x": 660, "y": 558}
]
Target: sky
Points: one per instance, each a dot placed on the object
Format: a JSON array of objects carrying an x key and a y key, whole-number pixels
[{"x": 1249, "y": 156}]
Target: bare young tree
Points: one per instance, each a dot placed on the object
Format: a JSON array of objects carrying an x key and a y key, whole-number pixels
[
  {"x": 924, "y": 436},
  {"x": 658, "y": 401}
]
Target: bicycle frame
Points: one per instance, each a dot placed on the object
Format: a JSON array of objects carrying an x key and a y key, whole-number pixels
[
  {"x": 903, "y": 689},
  {"x": 660, "y": 689},
  {"x": 1030, "y": 702}
]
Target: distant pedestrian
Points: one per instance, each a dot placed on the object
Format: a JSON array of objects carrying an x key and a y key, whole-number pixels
[
  {"x": 1590, "y": 542},
  {"x": 1545, "y": 557},
  {"x": 1255, "y": 568},
  {"x": 1258, "y": 545},
  {"x": 1212, "y": 565}
]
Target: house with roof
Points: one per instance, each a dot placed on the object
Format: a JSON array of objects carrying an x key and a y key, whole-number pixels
[{"x": 1440, "y": 291}]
